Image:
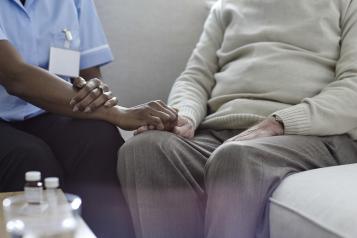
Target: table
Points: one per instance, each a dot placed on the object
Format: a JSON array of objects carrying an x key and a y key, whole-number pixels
[{"x": 83, "y": 231}]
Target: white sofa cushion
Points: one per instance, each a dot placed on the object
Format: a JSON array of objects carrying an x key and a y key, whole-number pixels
[{"x": 320, "y": 203}]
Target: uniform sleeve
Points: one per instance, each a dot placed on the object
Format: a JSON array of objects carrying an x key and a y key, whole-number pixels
[
  {"x": 334, "y": 110},
  {"x": 192, "y": 89},
  {"x": 95, "y": 50},
  {"x": 2, "y": 34}
]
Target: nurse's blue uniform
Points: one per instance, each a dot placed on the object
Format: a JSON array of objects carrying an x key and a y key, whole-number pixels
[
  {"x": 83, "y": 153},
  {"x": 36, "y": 27}
]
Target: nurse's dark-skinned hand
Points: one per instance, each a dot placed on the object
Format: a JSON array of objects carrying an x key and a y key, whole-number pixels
[
  {"x": 168, "y": 126},
  {"x": 91, "y": 95},
  {"x": 153, "y": 114},
  {"x": 266, "y": 128},
  {"x": 184, "y": 127}
]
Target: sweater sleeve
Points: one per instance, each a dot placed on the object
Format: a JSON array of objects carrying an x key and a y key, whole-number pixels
[
  {"x": 192, "y": 89},
  {"x": 334, "y": 110}
]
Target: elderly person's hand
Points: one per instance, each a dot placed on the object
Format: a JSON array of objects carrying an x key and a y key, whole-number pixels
[
  {"x": 91, "y": 95},
  {"x": 268, "y": 127},
  {"x": 155, "y": 115},
  {"x": 185, "y": 128}
]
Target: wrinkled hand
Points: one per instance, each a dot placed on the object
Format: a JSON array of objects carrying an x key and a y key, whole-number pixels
[
  {"x": 91, "y": 95},
  {"x": 268, "y": 127},
  {"x": 153, "y": 114},
  {"x": 185, "y": 128}
]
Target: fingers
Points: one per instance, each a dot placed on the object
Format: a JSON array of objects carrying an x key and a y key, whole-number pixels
[
  {"x": 172, "y": 112},
  {"x": 87, "y": 104},
  {"x": 154, "y": 115},
  {"x": 105, "y": 99},
  {"x": 250, "y": 134},
  {"x": 79, "y": 82},
  {"x": 141, "y": 130},
  {"x": 92, "y": 95},
  {"x": 162, "y": 115},
  {"x": 161, "y": 110},
  {"x": 241, "y": 135},
  {"x": 185, "y": 130},
  {"x": 154, "y": 118},
  {"x": 86, "y": 90},
  {"x": 155, "y": 123},
  {"x": 161, "y": 107},
  {"x": 111, "y": 102}
]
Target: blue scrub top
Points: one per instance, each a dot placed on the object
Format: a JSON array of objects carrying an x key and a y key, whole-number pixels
[{"x": 34, "y": 28}]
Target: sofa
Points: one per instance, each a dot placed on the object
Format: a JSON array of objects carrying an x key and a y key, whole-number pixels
[{"x": 152, "y": 41}]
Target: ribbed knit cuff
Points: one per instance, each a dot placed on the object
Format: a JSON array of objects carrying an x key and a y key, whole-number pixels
[
  {"x": 296, "y": 119},
  {"x": 191, "y": 114}
]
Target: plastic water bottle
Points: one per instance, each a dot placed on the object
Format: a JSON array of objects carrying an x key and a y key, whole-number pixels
[
  {"x": 33, "y": 188},
  {"x": 52, "y": 185}
]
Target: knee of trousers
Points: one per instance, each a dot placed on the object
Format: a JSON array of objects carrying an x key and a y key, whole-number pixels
[
  {"x": 232, "y": 159},
  {"x": 34, "y": 155},
  {"x": 145, "y": 151},
  {"x": 100, "y": 135},
  {"x": 96, "y": 148}
]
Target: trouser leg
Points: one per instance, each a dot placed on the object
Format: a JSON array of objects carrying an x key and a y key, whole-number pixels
[
  {"x": 87, "y": 150},
  {"x": 241, "y": 176},
  {"x": 162, "y": 179},
  {"x": 21, "y": 152}
]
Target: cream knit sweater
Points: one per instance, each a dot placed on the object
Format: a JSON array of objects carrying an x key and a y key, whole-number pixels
[{"x": 293, "y": 58}]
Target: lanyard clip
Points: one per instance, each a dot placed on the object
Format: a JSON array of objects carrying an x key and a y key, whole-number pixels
[{"x": 69, "y": 38}]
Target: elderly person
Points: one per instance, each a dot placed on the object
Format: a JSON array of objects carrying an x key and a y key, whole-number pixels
[{"x": 270, "y": 90}]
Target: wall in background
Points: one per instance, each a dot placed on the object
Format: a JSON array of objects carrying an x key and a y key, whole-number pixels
[{"x": 152, "y": 41}]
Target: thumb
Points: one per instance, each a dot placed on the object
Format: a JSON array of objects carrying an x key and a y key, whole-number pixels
[{"x": 140, "y": 130}]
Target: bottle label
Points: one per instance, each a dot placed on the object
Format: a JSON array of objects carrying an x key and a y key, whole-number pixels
[{"x": 33, "y": 195}]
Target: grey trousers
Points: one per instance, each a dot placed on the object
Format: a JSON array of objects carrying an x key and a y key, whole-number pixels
[{"x": 179, "y": 188}]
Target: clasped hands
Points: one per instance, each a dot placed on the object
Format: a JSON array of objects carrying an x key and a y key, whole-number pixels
[{"x": 154, "y": 115}]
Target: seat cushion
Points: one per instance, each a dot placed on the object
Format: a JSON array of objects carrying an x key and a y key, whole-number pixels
[{"x": 320, "y": 203}]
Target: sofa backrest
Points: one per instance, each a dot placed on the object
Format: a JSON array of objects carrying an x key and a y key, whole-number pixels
[{"x": 151, "y": 41}]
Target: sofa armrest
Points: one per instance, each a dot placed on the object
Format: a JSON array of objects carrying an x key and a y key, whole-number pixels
[{"x": 317, "y": 203}]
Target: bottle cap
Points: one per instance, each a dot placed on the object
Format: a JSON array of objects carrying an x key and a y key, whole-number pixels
[
  {"x": 52, "y": 182},
  {"x": 33, "y": 176}
]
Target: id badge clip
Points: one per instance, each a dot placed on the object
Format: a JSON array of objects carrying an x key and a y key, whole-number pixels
[{"x": 64, "y": 61}]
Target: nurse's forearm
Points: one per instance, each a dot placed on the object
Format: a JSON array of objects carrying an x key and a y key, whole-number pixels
[
  {"x": 51, "y": 93},
  {"x": 41, "y": 88},
  {"x": 47, "y": 91}
]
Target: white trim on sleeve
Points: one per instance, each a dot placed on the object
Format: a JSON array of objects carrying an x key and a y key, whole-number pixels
[{"x": 94, "y": 49}]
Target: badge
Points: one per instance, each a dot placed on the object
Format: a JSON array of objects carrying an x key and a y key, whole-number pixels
[{"x": 65, "y": 62}]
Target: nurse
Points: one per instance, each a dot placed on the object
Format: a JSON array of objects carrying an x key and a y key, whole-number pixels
[{"x": 44, "y": 119}]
